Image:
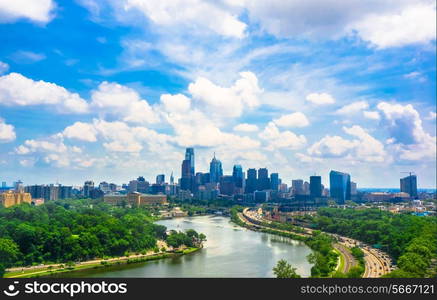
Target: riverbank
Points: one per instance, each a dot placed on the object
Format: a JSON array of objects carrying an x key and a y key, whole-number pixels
[{"x": 53, "y": 269}]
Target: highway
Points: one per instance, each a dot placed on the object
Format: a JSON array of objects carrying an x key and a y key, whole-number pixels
[
  {"x": 349, "y": 259},
  {"x": 377, "y": 263}
]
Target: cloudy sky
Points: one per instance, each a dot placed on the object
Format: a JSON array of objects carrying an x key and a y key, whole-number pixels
[{"x": 116, "y": 90}]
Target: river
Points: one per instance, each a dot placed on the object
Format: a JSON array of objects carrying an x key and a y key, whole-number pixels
[{"x": 230, "y": 251}]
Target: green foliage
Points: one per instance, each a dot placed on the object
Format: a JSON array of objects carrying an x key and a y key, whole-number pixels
[
  {"x": 2, "y": 270},
  {"x": 73, "y": 230},
  {"x": 189, "y": 238},
  {"x": 324, "y": 258},
  {"x": 284, "y": 270},
  {"x": 411, "y": 240},
  {"x": 9, "y": 252}
]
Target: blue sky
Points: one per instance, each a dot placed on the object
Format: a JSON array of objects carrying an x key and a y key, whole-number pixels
[{"x": 110, "y": 90}]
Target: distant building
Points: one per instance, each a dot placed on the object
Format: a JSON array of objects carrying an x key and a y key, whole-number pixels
[
  {"x": 104, "y": 187},
  {"x": 297, "y": 187},
  {"x": 18, "y": 186},
  {"x": 10, "y": 198},
  {"x": 261, "y": 196},
  {"x": 215, "y": 170},
  {"x": 227, "y": 185},
  {"x": 353, "y": 188},
  {"x": 160, "y": 179},
  {"x": 274, "y": 181},
  {"x": 238, "y": 176},
  {"x": 251, "y": 181},
  {"x": 135, "y": 199},
  {"x": 263, "y": 179},
  {"x": 409, "y": 185},
  {"x": 87, "y": 187},
  {"x": 340, "y": 186},
  {"x": 315, "y": 186}
]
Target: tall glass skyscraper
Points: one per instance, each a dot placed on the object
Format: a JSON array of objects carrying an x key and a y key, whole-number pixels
[
  {"x": 251, "y": 181},
  {"x": 263, "y": 179},
  {"x": 189, "y": 155},
  {"x": 215, "y": 170},
  {"x": 340, "y": 186},
  {"x": 409, "y": 185},
  {"x": 187, "y": 180},
  {"x": 274, "y": 181},
  {"x": 315, "y": 186},
  {"x": 237, "y": 174}
]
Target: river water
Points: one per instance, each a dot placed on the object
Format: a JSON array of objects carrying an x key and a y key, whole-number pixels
[{"x": 230, "y": 251}]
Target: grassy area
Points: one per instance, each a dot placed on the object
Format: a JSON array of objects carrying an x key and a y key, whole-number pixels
[
  {"x": 341, "y": 262},
  {"x": 101, "y": 264}
]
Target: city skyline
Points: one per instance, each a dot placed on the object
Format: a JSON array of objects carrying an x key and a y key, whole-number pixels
[{"x": 113, "y": 90}]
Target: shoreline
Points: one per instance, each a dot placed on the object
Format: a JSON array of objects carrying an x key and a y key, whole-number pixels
[{"x": 94, "y": 264}]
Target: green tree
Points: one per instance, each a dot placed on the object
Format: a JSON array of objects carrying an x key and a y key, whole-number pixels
[
  {"x": 9, "y": 251},
  {"x": 284, "y": 270}
]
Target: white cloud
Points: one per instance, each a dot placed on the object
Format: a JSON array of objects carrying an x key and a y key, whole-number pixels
[
  {"x": 40, "y": 11},
  {"x": 353, "y": 108},
  {"x": 431, "y": 116},
  {"x": 53, "y": 151},
  {"x": 4, "y": 67},
  {"x": 281, "y": 139},
  {"x": 320, "y": 99},
  {"x": 80, "y": 131},
  {"x": 227, "y": 102},
  {"x": 365, "y": 148},
  {"x": 373, "y": 115},
  {"x": 15, "y": 89},
  {"x": 296, "y": 119},
  {"x": 118, "y": 100},
  {"x": 7, "y": 132},
  {"x": 245, "y": 127},
  {"x": 193, "y": 14},
  {"x": 404, "y": 124},
  {"x": 175, "y": 103},
  {"x": 26, "y": 57},
  {"x": 413, "y": 24},
  {"x": 385, "y": 23}
]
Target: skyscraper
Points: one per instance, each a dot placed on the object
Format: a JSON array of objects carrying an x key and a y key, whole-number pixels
[
  {"x": 315, "y": 186},
  {"x": 251, "y": 181},
  {"x": 227, "y": 185},
  {"x": 340, "y": 186},
  {"x": 189, "y": 155},
  {"x": 409, "y": 185},
  {"x": 274, "y": 181},
  {"x": 263, "y": 179},
  {"x": 160, "y": 179},
  {"x": 237, "y": 174},
  {"x": 215, "y": 170},
  {"x": 297, "y": 187},
  {"x": 87, "y": 188}
]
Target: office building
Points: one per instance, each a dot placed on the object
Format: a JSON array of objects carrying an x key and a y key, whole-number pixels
[
  {"x": 340, "y": 186},
  {"x": 315, "y": 186},
  {"x": 409, "y": 185},
  {"x": 10, "y": 198},
  {"x": 263, "y": 179},
  {"x": 297, "y": 187},
  {"x": 274, "y": 181},
  {"x": 160, "y": 179},
  {"x": 135, "y": 199},
  {"x": 87, "y": 187},
  {"x": 238, "y": 176},
  {"x": 353, "y": 188},
  {"x": 227, "y": 185},
  {"x": 215, "y": 170},
  {"x": 251, "y": 181}
]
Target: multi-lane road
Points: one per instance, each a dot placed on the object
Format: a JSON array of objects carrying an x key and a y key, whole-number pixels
[{"x": 377, "y": 263}]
